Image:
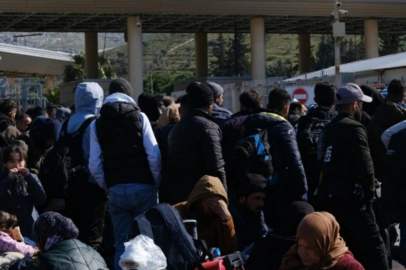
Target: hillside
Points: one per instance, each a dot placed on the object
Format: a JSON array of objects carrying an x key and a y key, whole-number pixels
[{"x": 174, "y": 53}]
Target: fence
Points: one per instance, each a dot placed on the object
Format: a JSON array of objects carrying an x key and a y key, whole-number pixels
[
  {"x": 232, "y": 92},
  {"x": 24, "y": 94}
]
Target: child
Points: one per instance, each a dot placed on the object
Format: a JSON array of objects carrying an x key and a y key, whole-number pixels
[
  {"x": 8, "y": 241},
  {"x": 19, "y": 189}
]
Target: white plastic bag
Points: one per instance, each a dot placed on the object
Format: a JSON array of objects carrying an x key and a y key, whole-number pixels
[{"x": 142, "y": 253}]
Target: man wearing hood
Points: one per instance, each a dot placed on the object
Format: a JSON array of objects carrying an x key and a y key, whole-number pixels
[
  {"x": 289, "y": 180},
  {"x": 89, "y": 211},
  {"x": 246, "y": 210},
  {"x": 124, "y": 160},
  {"x": 207, "y": 204}
]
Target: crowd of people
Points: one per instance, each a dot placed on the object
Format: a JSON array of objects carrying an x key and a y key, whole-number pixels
[{"x": 290, "y": 187}]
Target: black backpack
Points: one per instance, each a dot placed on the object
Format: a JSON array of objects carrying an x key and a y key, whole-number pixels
[
  {"x": 308, "y": 143},
  {"x": 62, "y": 171},
  {"x": 163, "y": 224},
  {"x": 252, "y": 155}
]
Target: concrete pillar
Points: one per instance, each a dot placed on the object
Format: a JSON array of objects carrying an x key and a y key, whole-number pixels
[
  {"x": 134, "y": 39},
  {"x": 49, "y": 83},
  {"x": 257, "y": 27},
  {"x": 305, "y": 53},
  {"x": 201, "y": 55},
  {"x": 371, "y": 39},
  {"x": 91, "y": 54}
]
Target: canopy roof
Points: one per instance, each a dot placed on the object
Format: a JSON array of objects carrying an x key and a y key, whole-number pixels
[
  {"x": 18, "y": 61},
  {"x": 187, "y": 16},
  {"x": 392, "y": 61}
]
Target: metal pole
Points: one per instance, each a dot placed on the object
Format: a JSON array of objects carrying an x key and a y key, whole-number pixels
[
  {"x": 337, "y": 43},
  {"x": 152, "y": 89}
]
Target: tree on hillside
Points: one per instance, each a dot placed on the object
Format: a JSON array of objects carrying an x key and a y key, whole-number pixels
[
  {"x": 237, "y": 59},
  {"x": 352, "y": 50},
  {"x": 389, "y": 44},
  {"x": 231, "y": 56},
  {"x": 120, "y": 64},
  {"x": 325, "y": 52},
  {"x": 219, "y": 52},
  {"x": 77, "y": 70},
  {"x": 282, "y": 69},
  {"x": 53, "y": 96},
  {"x": 106, "y": 70}
]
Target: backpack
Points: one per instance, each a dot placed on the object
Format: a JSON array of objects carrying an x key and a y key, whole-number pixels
[
  {"x": 163, "y": 224},
  {"x": 252, "y": 155},
  {"x": 309, "y": 141},
  {"x": 62, "y": 171}
]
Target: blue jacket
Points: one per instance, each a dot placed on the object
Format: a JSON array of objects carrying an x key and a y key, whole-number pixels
[
  {"x": 221, "y": 114},
  {"x": 286, "y": 159},
  {"x": 88, "y": 102}
]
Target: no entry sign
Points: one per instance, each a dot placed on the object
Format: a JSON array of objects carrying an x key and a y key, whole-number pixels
[{"x": 301, "y": 95}]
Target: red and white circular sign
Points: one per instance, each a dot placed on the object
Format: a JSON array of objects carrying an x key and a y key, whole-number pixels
[{"x": 301, "y": 95}]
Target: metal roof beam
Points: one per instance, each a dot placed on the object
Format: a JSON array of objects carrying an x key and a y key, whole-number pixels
[
  {"x": 81, "y": 21},
  {"x": 19, "y": 20}
]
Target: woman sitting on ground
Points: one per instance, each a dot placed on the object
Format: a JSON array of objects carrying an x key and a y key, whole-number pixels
[
  {"x": 319, "y": 246},
  {"x": 59, "y": 248}
]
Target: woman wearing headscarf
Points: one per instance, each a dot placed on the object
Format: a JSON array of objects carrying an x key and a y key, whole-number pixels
[
  {"x": 319, "y": 246},
  {"x": 59, "y": 248},
  {"x": 268, "y": 252}
]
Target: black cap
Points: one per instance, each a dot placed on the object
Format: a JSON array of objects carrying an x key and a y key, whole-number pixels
[
  {"x": 199, "y": 95},
  {"x": 120, "y": 85},
  {"x": 250, "y": 184}
]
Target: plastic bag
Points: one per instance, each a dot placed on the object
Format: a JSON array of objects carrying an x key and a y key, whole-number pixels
[{"x": 142, "y": 253}]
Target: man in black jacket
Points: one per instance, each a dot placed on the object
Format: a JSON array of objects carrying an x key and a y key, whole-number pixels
[
  {"x": 308, "y": 129},
  {"x": 348, "y": 183},
  {"x": 289, "y": 180},
  {"x": 194, "y": 148}
]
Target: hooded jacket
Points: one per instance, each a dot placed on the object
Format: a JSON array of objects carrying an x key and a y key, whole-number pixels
[
  {"x": 69, "y": 254},
  {"x": 387, "y": 115},
  {"x": 216, "y": 232},
  {"x": 149, "y": 143},
  {"x": 194, "y": 151},
  {"x": 221, "y": 114},
  {"x": 285, "y": 154},
  {"x": 88, "y": 102}
]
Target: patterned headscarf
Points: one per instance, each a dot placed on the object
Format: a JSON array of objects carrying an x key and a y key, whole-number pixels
[{"x": 51, "y": 228}]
